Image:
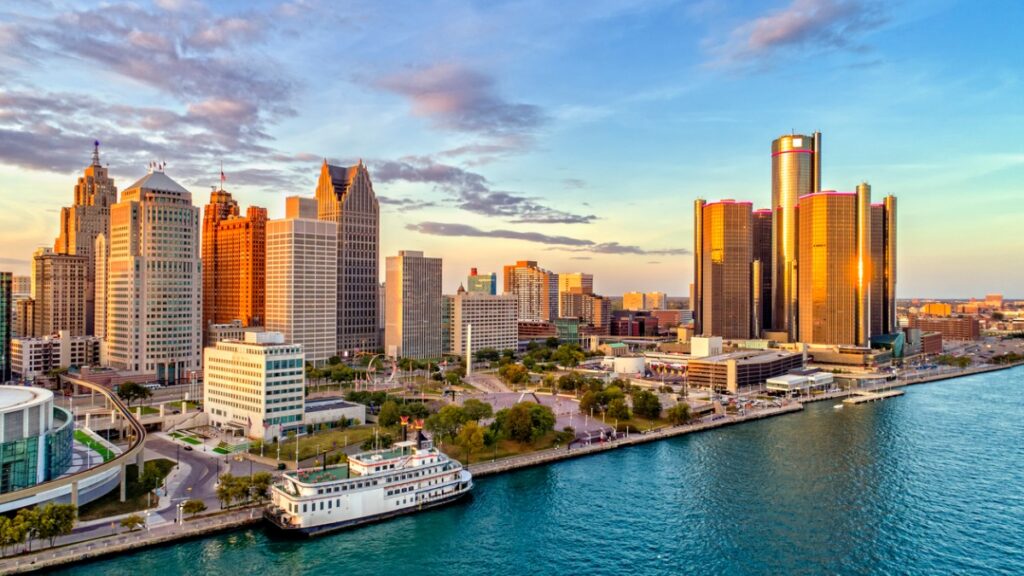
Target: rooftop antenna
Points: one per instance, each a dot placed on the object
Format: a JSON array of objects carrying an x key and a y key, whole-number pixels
[
  {"x": 222, "y": 176},
  {"x": 95, "y": 152}
]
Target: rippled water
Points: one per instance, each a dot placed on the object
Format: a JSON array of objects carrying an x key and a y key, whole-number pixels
[{"x": 929, "y": 483}]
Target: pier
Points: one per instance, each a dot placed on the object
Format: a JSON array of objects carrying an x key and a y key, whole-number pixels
[{"x": 862, "y": 397}]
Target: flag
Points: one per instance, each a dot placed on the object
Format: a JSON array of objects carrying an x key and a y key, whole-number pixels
[{"x": 405, "y": 420}]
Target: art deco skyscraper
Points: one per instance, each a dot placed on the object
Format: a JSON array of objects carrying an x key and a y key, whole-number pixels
[
  {"x": 345, "y": 196},
  {"x": 234, "y": 262},
  {"x": 414, "y": 306},
  {"x": 302, "y": 278},
  {"x": 724, "y": 260},
  {"x": 536, "y": 291},
  {"x": 86, "y": 219},
  {"x": 796, "y": 171},
  {"x": 154, "y": 281}
]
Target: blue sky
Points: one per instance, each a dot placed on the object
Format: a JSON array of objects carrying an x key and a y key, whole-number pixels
[{"x": 577, "y": 134}]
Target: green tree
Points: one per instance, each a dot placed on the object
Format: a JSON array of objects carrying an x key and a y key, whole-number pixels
[
  {"x": 679, "y": 414},
  {"x": 334, "y": 360},
  {"x": 471, "y": 439},
  {"x": 131, "y": 391},
  {"x": 445, "y": 424},
  {"x": 28, "y": 520},
  {"x": 488, "y": 354},
  {"x": 568, "y": 355},
  {"x": 389, "y": 414},
  {"x": 515, "y": 423},
  {"x": 477, "y": 410},
  {"x": 54, "y": 520},
  {"x": 260, "y": 485},
  {"x": 590, "y": 402},
  {"x": 452, "y": 378},
  {"x": 514, "y": 374},
  {"x": 150, "y": 480},
  {"x": 12, "y": 533},
  {"x": 617, "y": 408},
  {"x": 342, "y": 373},
  {"x": 646, "y": 404},
  {"x": 542, "y": 420},
  {"x": 551, "y": 342},
  {"x": 193, "y": 507},
  {"x": 133, "y": 522}
]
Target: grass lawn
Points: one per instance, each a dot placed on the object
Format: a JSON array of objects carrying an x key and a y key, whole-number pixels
[
  {"x": 135, "y": 497},
  {"x": 505, "y": 449},
  {"x": 327, "y": 440},
  {"x": 639, "y": 424},
  {"x": 87, "y": 440},
  {"x": 190, "y": 440}
]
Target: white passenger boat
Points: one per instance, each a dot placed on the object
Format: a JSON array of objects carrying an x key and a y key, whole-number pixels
[{"x": 373, "y": 486}]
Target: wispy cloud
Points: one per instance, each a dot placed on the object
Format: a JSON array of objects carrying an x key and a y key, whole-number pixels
[
  {"x": 472, "y": 192},
  {"x": 821, "y": 24},
  {"x": 566, "y": 243}
]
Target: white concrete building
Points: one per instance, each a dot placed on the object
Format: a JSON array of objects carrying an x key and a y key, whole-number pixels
[
  {"x": 34, "y": 357},
  {"x": 331, "y": 411},
  {"x": 414, "y": 306},
  {"x": 153, "y": 303},
  {"x": 302, "y": 277},
  {"x": 704, "y": 347},
  {"x": 255, "y": 386},
  {"x": 494, "y": 320}
]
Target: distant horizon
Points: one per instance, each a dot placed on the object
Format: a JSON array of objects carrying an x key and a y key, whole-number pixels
[{"x": 578, "y": 136}]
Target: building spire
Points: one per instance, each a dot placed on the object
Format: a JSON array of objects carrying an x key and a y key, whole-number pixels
[{"x": 96, "y": 153}]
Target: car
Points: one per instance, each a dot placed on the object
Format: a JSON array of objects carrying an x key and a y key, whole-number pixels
[{"x": 188, "y": 448}]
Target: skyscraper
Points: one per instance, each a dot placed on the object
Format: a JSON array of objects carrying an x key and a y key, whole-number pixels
[
  {"x": 656, "y": 300},
  {"x": 634, "y": 301},
  {"x": 536, "y": 291},
  {"x": 234, "y": 262},
  {"x": 154, "y": 280},
  {"x": 724, "y": 260},
  {"x": 302, "y": 278},
  {"x": 492, "y": 317},
  {"x": 829, "y": 263},
  {"x": 60, "y": 292},
  {"x": 883, "y": 267},
  {"x": 345, "y": 196},
  {"x": 796, "y": 171},
  {"x": 482, "y": 283},
  {"x": 761, "y": 236},
  {"x": 414, "y": 306},
  {"x": 86, "y": 219},
  {"x": 6, "y": 303},
  {"x": 567, "y": 281}
]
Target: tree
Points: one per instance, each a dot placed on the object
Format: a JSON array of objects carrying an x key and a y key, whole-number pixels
[
  {"x": 617, "y": 408},
  {"x": 334, "y": 360},
  {"x": 679, "y": 414},
  {"x": 551, "y": 342},
  {"x": 131, "y": 391},
  {"x": 150, "y": 480},
  {"x": 542, "y": 420},
  {"x": 568, "y": 355},
  {"x": 54, "y": 520},
  {"x": 477, "y": 410},
  {"x": 589, "y": 401},
  {"x": 646, "y": 404},
  {"x": 471, "y": 439},
  {"x": 488, "y": 354},
  {"x": 446, "y": 423},
  {"x": 133, "y": 522},
  {"x": 260, "y": 485},
  {"x": 12, "y": 533},
  {"x": 342, "y": 373},
  {"x": 515, "y": 422},
  {"x": 28, "y": 520},
  {"x": 453, "y": 378},
  {"x": 389, "y": 414},
  {"x": 514, "y": 374},
  {"x": 193, "y": 507}
]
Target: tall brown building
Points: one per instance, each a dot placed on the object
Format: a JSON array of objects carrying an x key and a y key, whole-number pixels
[
  {"x": 59, "y": 297},
  {"x": 536, "y": 291},
  {"x": 82, "y": 222},
  {"x": 761, "y": 236},
  {"x": 580, "y": 303},
  {"x": 796, "y": 171},
  {"x": 725, "y": 264},
  {"x": 234, "y": 262},
  {"x": 345, "y": 195}
]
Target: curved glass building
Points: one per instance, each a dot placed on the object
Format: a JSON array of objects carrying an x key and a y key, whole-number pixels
[{"x": 35, "y": 438}]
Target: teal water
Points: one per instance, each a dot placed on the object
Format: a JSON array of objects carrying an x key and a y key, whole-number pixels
[{"x": 929, "y": 483}]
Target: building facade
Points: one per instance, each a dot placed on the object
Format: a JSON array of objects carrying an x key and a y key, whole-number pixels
[
  {"x": 578, "y": 282},
  {"x": 761, "y": 237},
  {"x": 60, "y": 293},
  {"x": 828, "y": 277},
  {"x": 796, "y": 171},
  {"x": 535, "y": 289},
  {"x": 6, "y": 317},
  {"x": 656, "y": 300},
  {"x": 493, "y": 318},
  {"x": 32, "y": 358},
  {"x": 725, "y": 263},
  {"x": 634, "y": 301},
  {"x": 414, "y": 306},
  {"x": 256, "y": 386},
  {"x": 83, "y": 221},
  {"x": 302, "y": 277},
  {"x": 234, "y": 262},
  {"x": 154, "y": 281},
  {"x": 588, "y": 308},
  {"x": 345, "y": 197},
  {"x": 951, "y": 328},
  {"x": 35, "y": 438},
  {"x": 482, "y": 283}
]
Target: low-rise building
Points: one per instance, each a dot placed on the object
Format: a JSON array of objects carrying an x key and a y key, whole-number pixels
[
  {"x": 234, "y": 330},
  {"x": 951, "y": 328},
  {"x": 800, "y": 381},
  {"x": 255, "y": 387},
  {"x": 744, "y": 369},
  {"x": 32, "y": 358},
  {"x": 331, "y": 412}
]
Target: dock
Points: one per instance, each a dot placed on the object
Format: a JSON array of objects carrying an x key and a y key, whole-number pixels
[{"x": 862, "y": 397}]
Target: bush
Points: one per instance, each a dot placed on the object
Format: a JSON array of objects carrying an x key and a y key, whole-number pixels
[{"x": 646, "y": 404}]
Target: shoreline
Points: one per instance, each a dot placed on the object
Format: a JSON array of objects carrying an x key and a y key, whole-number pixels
[{"x": 96, "y": 550}]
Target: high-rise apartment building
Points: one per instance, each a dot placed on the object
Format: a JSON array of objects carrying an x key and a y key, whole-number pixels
[
  {"x": 234, "y": 262},
  {"x": 634, "y": 301},
  {"x": 493, "y": 318},
  {"x": 656, "y": 300},
  {"x": 21, "y": 285},
  {"x": 569, "y": 281},
  {"x": 154, "y": 281},
  {"x": 589, "y": 308},
  {"x": 482, "y": 283},
  {"x": 723, "y": 257},
  {"x": 302, "y": 277},
  {"x": 60, "y": 293},
  {"x": 761, "y": 236},
  {"x": 345, "y": 196},
  {"x": 536, "y": 291},
  {"x": 796, "y": 171},
  {"x": 255, "y": 385},
  {"x": 6, "y": 308},
  {"x": 414, "y": 306},
  {"x": 82, "y": 222}
]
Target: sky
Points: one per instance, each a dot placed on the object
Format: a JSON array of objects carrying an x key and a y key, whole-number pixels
[{"x": 577, "y": 134}]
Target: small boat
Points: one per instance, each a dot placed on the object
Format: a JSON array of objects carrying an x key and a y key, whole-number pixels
[{"x": 837, "y": 407}]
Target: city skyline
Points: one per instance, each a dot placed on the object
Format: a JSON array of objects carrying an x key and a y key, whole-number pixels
[{"x": 510, "y": 132}]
